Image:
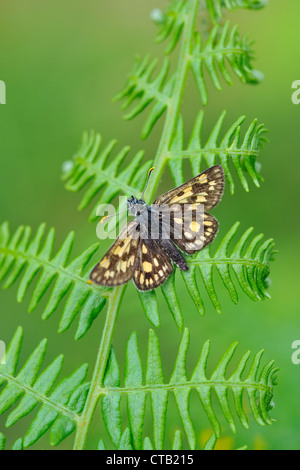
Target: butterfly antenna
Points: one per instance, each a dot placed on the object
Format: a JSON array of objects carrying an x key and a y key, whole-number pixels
[
  {"x": 113, "y": 215},
  {"x": 148, "y": 177}
]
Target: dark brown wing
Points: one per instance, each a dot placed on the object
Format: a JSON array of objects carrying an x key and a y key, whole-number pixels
[
  {"x": 118, "y": 265},
  {"x": 153, "y": 266},
  {"x": 206, "y": 188},
  {"x": 196, "y": 232}
]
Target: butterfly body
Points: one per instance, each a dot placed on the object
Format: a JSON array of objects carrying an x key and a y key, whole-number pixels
[{"x": 176, "y": 223}]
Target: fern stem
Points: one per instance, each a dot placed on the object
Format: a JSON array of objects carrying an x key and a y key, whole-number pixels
[
  {"x": 99, "y": 369},
  {"x": 42, "y": 398},
  {"x": 188, "y": 385},
  {"x": 172, "y": 114},
  {"x": 216, "y": 151}
]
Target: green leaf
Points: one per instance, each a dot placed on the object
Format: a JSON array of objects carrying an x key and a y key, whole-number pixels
[
  {"x": 142, "y": 89},
  {"x": 60, "y": 405},
  {"x": 36, "y": 259},
  {"x": 169, "y": 291},
  {"x": 232, "y": 152},
  {"x": 111, "y": 410},
  {"x": 251, "y": 266},
  {"x": 171, "y": 27},
  {"x": 136, "y": 399},
  {"x": 257, "y": 384},
  {"x": 99, "y": 169},
  {"x": 18, "y": 444},
  {"x": 150, "y": 306},
  {"x": 222, "y": 44},
  {"x": 125, "y": 442},
  {"x": 159, "y": 399},
  {"x": 215, "y": 6}
]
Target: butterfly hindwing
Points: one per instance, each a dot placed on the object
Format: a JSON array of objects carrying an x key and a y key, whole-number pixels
[
  {"x": 196, "y": 232},
  {"x": 153, "y": 266},
  {"x": 118, "y": 265},
  {"x": 206, "y": 188}
]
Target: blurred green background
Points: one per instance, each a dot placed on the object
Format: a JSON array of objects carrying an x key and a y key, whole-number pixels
[{"x": 62, "y": 62}]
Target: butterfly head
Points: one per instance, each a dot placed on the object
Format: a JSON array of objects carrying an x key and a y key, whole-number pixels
[{"x": 136, "y": 205}]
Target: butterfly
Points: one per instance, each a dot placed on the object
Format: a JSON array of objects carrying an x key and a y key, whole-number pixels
[{"x": 177, "y": 222}]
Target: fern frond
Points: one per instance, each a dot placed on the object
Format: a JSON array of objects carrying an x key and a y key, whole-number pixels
[
  {"x": 257, "y": 384},
  {"x": 223, "y": 45},
  {"x": 172, "y": 24},
  {"x": 215, "y": 6},
  {"x": 27, "y": 257},
  {"x": 249, "y": 260},
  {"x": 18, "y": 444},
  {"x": 230, "y": 151},
  {"x": 30, "y": 387},
  {"x": 141, "y": 87},
  {"x": 21, "y": 257},
  {"x": 100, "y": 168}
]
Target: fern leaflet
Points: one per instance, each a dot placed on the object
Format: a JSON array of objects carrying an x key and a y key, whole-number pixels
[
  {"x": 60, "y": 404},
  {"x": 233, "y": 151},
  {"x": 223, "y": 44},
  {"x": 89, "y": 165},
  {"x": 25, "y": 258},
  {"x": 214, "y": 7},
  {"x": 142, "y": 89},
  {"x": 257, "y": 384},
  {"x": 18, "y": 444}
]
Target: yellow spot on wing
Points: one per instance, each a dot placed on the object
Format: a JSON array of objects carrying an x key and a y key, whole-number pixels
[
  {"x": 188, "y": 235},
  {"x": 117, "y": 250},
  {"x": 195, "y": 227},
  {"x": 189, "y": 188},
  {"x": 123, "y": 266},
  {"x": 187, "y": 194},
  {"x": 203, "y": 179},
  {"x": 147, "y": 267},
  {"x": 131, "y": 260},
  {"x": 105, "y": 263},
  {"x": 201, "y": 198}
]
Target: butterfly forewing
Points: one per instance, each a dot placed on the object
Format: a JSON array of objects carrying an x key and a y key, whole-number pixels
[
  {"x": 153, "y": 266},
  {"x": 206, "y": 188},
  {"x": 118, "y": 265}
]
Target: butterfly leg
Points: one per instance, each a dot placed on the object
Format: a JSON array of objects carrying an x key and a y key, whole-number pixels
[{"x": 170, "y": 249}]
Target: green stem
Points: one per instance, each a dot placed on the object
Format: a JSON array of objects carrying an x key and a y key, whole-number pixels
[
  {"x": 185, "y": 386},
  {"x": 162, "y": 153},
  {"x": 99, "y": 370}
]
